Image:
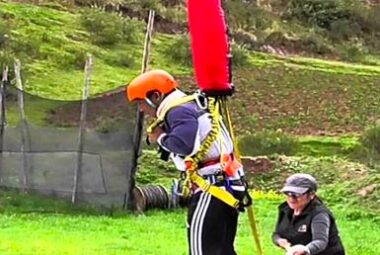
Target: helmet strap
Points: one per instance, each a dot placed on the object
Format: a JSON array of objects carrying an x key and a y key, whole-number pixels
[
  {"x": 150, "y": 103},
  {"x": 154, "y": 99}
]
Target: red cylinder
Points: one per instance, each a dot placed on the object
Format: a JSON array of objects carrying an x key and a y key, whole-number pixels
[{"x": 209, "y": 42}]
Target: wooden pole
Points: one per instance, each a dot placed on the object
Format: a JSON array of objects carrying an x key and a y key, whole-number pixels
[
  {"x": 139, "y": 114},
  {"x": 4, "y": 80},
  {"x": 24, "y": 177},
  {"x": 83, "y": 114},
  {"x": 148, "y": 39}
]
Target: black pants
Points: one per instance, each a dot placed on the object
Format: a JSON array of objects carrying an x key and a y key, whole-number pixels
[{"x": 212, "y": 226}]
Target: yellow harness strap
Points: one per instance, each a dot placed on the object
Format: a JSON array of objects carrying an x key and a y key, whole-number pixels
[
  {"x": 193, "y": 161},
  {"x": 215, "y": 191},
  {"x": 161, "y": 117}
]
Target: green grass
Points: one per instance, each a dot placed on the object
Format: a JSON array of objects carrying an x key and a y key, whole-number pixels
[
  {"x": 57, "y": 71},
  {"x": 326, "y": 146},
  {"x": 51, "y": 232}
]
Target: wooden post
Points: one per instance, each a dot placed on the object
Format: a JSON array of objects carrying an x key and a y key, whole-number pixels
[
  {"x": 4, "y": 80},
  {"x": 148, "y": 39},
  {"x": 83, "y": 114},
  {"x": 24, "y": 177},
  {"x": 139, "y": 114}
]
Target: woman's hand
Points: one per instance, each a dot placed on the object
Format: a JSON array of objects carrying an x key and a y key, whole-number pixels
[
  {"x": 298, "y": 249},
  {"x": 283, "y": 243}
]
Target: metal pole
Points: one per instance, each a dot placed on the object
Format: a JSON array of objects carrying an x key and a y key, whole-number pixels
[{"x": 78, "y": 166}]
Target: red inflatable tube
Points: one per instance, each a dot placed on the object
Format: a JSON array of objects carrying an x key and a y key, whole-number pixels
[{"x": 209, "y": 42}]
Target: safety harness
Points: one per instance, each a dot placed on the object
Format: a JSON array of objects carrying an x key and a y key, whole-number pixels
[{"x": 192, "y": 162}]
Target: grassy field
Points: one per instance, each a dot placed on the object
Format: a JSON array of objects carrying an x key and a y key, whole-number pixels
[
  {"x": 157, "y": 232},
  {"x": 297, "y": 95}
]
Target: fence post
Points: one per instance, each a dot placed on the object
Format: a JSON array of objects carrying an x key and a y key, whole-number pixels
[
  {"x": 4, "y": 80},
  {"x": 25, "y": 145},
  {"x": 83, "y": 114},
  {"x": 140, "y": 115}
]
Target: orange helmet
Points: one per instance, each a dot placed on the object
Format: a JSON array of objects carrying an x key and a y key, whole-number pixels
[{"x": 159, "y": 80}]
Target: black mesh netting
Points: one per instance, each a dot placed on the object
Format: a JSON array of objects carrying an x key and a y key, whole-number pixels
[{"x": 42, "y": 153}]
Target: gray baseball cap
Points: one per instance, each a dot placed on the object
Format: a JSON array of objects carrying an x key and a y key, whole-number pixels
[{"x": 300, "y": 184}]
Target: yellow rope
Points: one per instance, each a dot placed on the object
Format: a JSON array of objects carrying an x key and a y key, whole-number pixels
[
  {"x": 250, "y": 210},
  {"x": 193, "y": 162}
]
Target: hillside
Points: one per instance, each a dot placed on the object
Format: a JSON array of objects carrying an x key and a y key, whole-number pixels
[
  {"x": 279, "y": 92},
  {"x": 309, "y": 68}
]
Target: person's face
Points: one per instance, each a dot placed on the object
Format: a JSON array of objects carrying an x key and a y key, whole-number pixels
[{"x": 298, "y": 201}]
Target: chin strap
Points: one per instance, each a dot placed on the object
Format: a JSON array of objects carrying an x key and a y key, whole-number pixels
[{"x": 150, "y": 103}]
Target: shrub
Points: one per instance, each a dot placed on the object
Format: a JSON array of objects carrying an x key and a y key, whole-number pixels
[
  {"x": 318, "y": 12},
  {"x": 239, "y": 55},
  {"x": 149, "y": 4},
  {"x": 26, "y": 46},
  {"x": 4, "y": 34},
  {"x": 179, "y": 50},
  {"x": 108, "y": 28},
  {"x": 246, "y": 15},
  {"x": 246, "y": 39},
  {"x": 315, "y": 44},
  {"x": 370, "y": 140},
  {"x": 126, "y": 60},
  {"x": 132, "y": 29},
  {"x": 352, "y": 52},
  {"x": 176, "y": 15},
  {"x": 76, "y": 58},
  {"x": 344, "y": 30},
  {"x": 268, "y": 143}
]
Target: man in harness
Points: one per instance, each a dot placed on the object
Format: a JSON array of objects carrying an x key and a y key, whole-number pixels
[{"x": 189, "y": 129}]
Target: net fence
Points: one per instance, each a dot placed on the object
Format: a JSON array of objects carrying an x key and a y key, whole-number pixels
[{"x": 42, "y": 149}]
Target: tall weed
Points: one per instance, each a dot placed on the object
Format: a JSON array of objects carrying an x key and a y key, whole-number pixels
[{"x": 268, "y": 143}]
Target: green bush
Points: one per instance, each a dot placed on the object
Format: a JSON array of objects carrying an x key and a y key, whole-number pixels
[
  {"x": 239, "y": 55},
  {"x": 132, "y": 30},
  {"x": 344, "y": 29},
  {"x": 4, "y": 34},
  {"x": 370, "y": 140},
  {"x": 318, "y": 12},
  {"x": 177, "y": 14},
  {"x": 108, "y": 28},
  {"x": 126, "y": 60},
  {"x": 27, "y": 46},
  {"x": 76, "y": 58},
  {"x": 179, "y": 50},
  {"x": 316, "y": 45},
  {"x": 246, "y": 15},
  {"x": 352, "y": 52},
  {"x": 268, "y": 143},
  {"x": 148, "y": 4},
  {"x": 6, "y": 55},
  {"x": 120, "y": 58}
]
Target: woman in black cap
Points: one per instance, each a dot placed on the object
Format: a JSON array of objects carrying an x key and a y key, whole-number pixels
[{"x": 305, "y": 226}]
